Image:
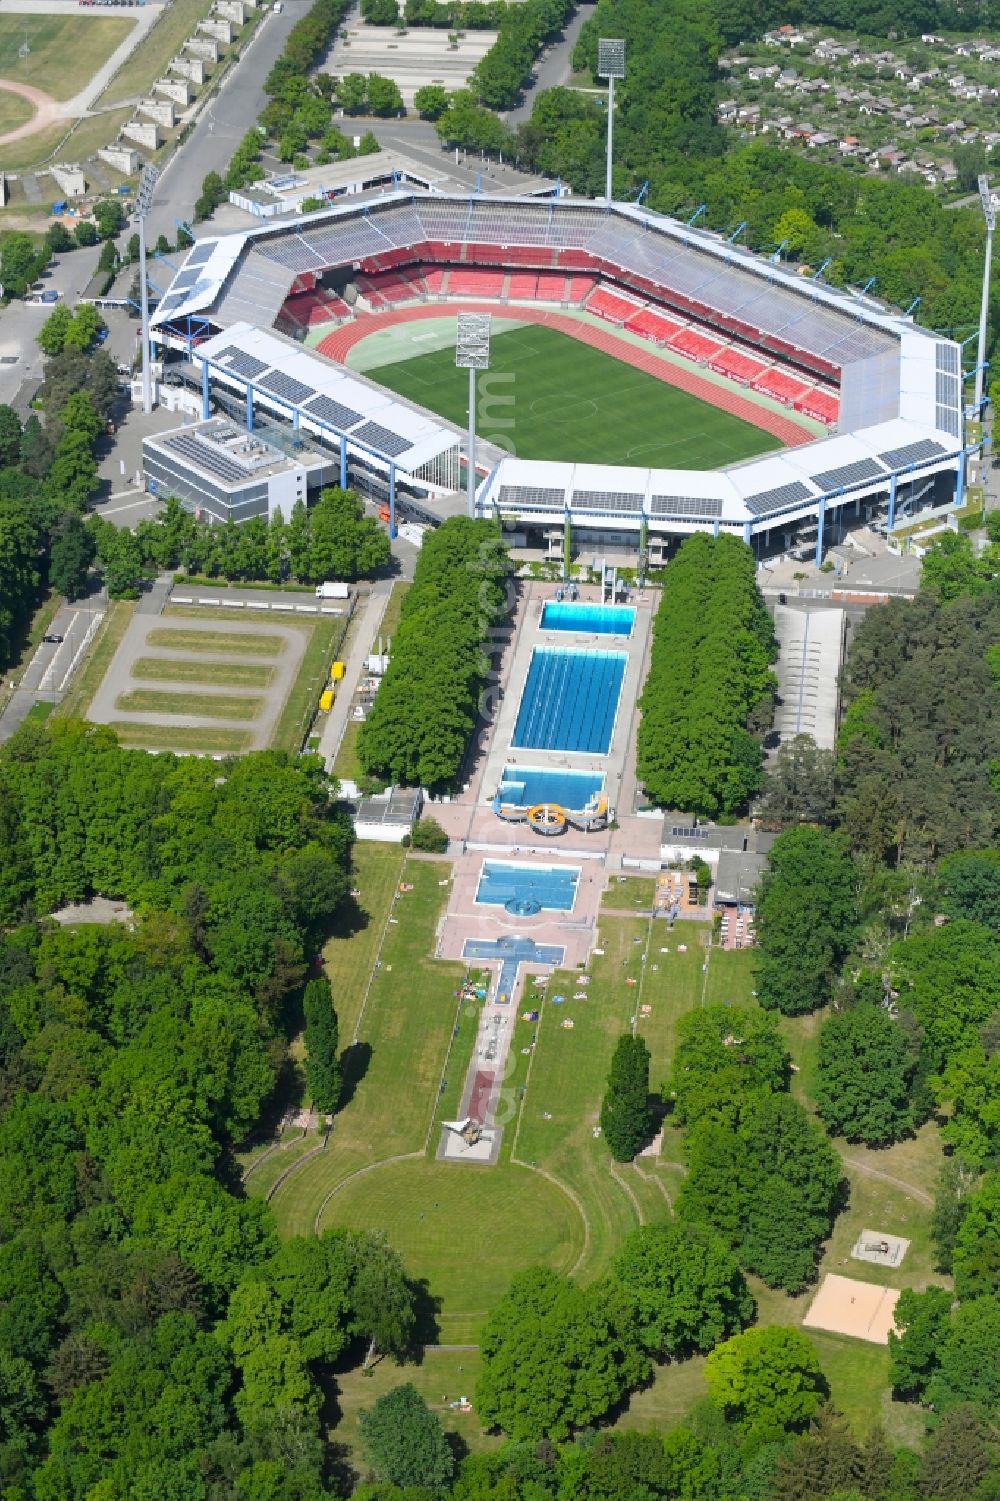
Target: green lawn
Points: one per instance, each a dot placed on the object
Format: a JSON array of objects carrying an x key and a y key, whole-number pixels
[
  {"x": 14, "y": 111},
  {"x": 210, "y": 705},
  {"x": 177, "y": 670},
  {"x": 246, "y": 644},
  {"x": 206, "y": 740},
  {"x": 403, "y": 1027},
  {"x": 556, "y": 398},
  {"x": 629, "y": 893},
  {"x": 64, "y": 51}
]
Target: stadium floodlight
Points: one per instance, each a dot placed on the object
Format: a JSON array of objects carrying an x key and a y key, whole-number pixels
[
  {"x": 610, "y": 65},
  {"x": 143, "y": 204},
  {"x": 989, "y": 203},
  {"x": 472, "y": 353}
]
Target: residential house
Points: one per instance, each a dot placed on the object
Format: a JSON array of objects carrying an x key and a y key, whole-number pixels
[{"x": 849, "y": 146}]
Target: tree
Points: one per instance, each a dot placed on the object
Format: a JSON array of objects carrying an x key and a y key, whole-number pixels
[
  {"x": 866, "y": 1067},
  {"x": 384, "y": 97},
  {"x": 382, "y": 1299},
  {"x": 72, "y": 479},
  {"x": 352, "y": 93},
  {"x": 799, "y": 784},
  {"x": 85, "y": 326},
  {"x": 955, "y": 1181},
  {"x": 121, "y": 559},
  {"x": 806, "y": 915},
  {"x": 685, "y": 1287},
  {"x": 73, "y": 551},
  {"x": 51, "y": 337},
  {"x": 21, "y": 262},
  {"x": 723, "y": 1057},
  {"x": 555, "y": 1357},
  {"x": 37, "y": 449},
  {"x": 695, "y": 749},
  {"x": 321, "y": 1039},
  {"x": 110, "y": 217},
  {"x": 626, "y": 1119},
  {"x": 976, "y": 1259},
  {"x": 767, "y": 1381},
  {"x": 949, "y": 977},
  {"x": 921, "y": 1320},
  {"x": 822, "y": 1462},
  {"x": 429, "y": 837},
  {"x": 344, "y": 543},
  {"x": 58, "y": 238},
  {"x": 957, "y": 1457},
  {"x": 431, "y": 101},
  {"x": 768, "y": 1183},
  {"x": 970, "y": 886},
  {"x": 10, "y": 436},
  {"x": 86, "y": 232},
  {"x": 404, "y": 1441},
  {"x": 970, "y": 1084},
  {"x": 968, "y": 1369}
]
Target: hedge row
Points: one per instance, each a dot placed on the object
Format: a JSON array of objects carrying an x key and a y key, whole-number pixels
[
  {"x": 713, "y": 642},
  {"x": 428, "y": 703}
]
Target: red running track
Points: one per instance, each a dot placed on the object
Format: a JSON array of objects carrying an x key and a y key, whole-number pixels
[{"x": 337, "y": 345}]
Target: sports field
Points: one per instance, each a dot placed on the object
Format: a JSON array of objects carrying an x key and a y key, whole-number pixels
[{"x": 547, "y": 396}]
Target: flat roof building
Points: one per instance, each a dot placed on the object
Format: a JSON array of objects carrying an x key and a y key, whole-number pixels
[{"x": 222, "y": 472}]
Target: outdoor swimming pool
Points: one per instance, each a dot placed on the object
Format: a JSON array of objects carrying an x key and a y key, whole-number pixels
[
  {"x": 593, "y": 620},
  {"x": 528, "y": 785},
  {"x": 528, "y": 888},
  {"x": 569, "y": 700}
]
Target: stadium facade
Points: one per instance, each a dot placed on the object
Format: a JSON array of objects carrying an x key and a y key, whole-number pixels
[{"x": 893, "y": 389}]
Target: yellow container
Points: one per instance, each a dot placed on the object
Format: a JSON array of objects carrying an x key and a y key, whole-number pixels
[
  {"x": 337, "y": 672},
  {"x": 326, "y": 698}
]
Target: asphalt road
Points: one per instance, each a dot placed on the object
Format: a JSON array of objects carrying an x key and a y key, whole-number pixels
[
  {"x": 222, "y": 125},
  {"x": 554, "y": 66},
  {"x": 49, "y": 673}
]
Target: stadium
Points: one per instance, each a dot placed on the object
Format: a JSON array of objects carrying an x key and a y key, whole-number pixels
[{"x": 859, "y": 408}]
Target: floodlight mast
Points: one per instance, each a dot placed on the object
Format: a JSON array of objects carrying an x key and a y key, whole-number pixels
[
  {"x": 472, "y": 353},
  {"x": 610, "y": 65},
  {"x": 143, "y": 203},
  {"x": 989, "y": 204}
]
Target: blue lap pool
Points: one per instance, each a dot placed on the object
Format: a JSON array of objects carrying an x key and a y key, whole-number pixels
[
  {"x": 525, "y": 889},
  {"x": 526, "y": 786},
  {"x": 592, "y": 620},
  {"x": 569, "y": 701}
]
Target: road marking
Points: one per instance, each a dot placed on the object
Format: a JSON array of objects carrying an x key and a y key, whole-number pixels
[
  {"x": 88, "y": 637},
  {"x": 49, "y": 672}
]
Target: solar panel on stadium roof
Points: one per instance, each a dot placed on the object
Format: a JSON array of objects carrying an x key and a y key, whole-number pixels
[
  {"x": 946, "y": 389},
  {"x": 190, "y": 446},
  {"x": 685, "y": 505},
  {"x": 201, "y": 253},
  {"x": 773, "y": 500},
  {"x": 333, "y": 412},
  {"x": 532, "y": 496},
  {"x": 911, "y": 453},
  {"x": 607, "y": 500},
  {"x": 185, "y": 279},
  {"x": 681, "y": 832},
  {"x": 241, "y": 363},
  {"x": 382, "y": 438},
  {"x": 848, "y": 474},
  {"x": 170, "y": 303},
  {"x": 947, "y": 419},
  {"x": 286, "y": 386},
  {"x": 946, "y": 358}
]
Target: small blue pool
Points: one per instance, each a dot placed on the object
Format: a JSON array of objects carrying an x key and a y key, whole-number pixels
[
  {"x": 570, "y": 700},
  {"x": 525, "y": 786},
  {"x": 592, "y": 620},
  {"x": 528, "y": 888}
]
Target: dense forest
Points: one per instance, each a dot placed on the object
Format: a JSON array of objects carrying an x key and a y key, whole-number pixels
[{"x": 709, "y": 680}]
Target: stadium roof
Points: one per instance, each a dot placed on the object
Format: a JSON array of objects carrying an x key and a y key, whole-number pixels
[
  {"x": 289, "y": 379},
  {"x": 787, "y": 484}
]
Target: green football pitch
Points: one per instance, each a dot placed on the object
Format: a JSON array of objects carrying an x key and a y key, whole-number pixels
[{"x": 547, "y": 396}]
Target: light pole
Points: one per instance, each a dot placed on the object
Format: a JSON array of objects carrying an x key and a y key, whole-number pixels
[
  {"x": 143, "y": 203},
  {"x": 472, "y": 353},
  {"x": 610, "y": 65},
  {"x": 990, "y": 215}
]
